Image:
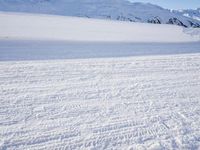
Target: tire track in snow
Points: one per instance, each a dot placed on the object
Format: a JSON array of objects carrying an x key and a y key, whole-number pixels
[{"x": 101, "y": 103}]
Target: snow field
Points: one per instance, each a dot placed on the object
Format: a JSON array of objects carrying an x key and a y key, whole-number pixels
[
  {"x": 121, "y": 103},
  {"x": 18, "y": 50},
  {"x": 48, "y": 27}
]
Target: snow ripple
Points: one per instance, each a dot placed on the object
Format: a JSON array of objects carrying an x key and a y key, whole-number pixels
[{"x": 121, "y": 103}]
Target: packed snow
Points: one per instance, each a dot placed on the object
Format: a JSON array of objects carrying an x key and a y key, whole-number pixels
[
  {"x": 117, "y": 97},
  {"x": 47, "y": 27},
  {"x": 115, "y": 103}
]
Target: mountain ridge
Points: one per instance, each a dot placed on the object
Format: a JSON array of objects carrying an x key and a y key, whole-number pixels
[
  {"x": 191, "y": 13},
  {"x": 122, "y": 10}
]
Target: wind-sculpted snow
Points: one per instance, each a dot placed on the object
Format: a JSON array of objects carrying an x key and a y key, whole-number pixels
[
  {"x": 117, "y": 103},
  {"x": 60, "y": 28}
]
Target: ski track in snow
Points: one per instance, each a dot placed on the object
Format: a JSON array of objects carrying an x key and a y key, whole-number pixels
[{"x": 114, "y": 103}]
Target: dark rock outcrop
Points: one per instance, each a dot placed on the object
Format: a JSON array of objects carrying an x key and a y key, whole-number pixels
[
  {"x": 194, "y": 25},
  {"x": 175, "y": 21},
  {"x": 155, "y": 20}
]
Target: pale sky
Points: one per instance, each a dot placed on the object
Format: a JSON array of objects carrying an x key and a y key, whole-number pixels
[{"x": 173, "y": 4}]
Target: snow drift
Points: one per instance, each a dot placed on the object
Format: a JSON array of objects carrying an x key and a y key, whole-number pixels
[{"x": 49, "y": 27}]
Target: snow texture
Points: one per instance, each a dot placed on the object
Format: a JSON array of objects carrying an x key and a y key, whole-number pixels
[
  {"x": 50, "y": 102},
  {"x": 117, "y": 103}
]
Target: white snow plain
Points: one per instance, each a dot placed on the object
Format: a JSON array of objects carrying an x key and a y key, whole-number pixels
[
  {"x": 142, "y": 102},
  {"x": 49, "y": 27},
  {"x": 15, "y": 50},
  {"x": 111, "y": 103}
]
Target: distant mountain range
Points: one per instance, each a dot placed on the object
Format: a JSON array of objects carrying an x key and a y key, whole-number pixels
[
  {"x": 106, "y": 9},
  {"x": 191, "y": 13}
]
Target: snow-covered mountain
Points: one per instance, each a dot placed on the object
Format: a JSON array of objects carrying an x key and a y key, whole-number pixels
[
  {"x": 192, "y": 13},
  {"x": 105, "y": 9}
]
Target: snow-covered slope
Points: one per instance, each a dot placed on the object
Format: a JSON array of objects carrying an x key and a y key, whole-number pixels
[
  {"x": 191, "y": 13},
  {"x": 106, "y": 9},
  {"x": 49, "y": 27}
]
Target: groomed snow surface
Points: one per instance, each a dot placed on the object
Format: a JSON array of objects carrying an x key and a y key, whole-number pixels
[
  {"x": 115, "y": 103},
  {"x": 49, "y": 100}
]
